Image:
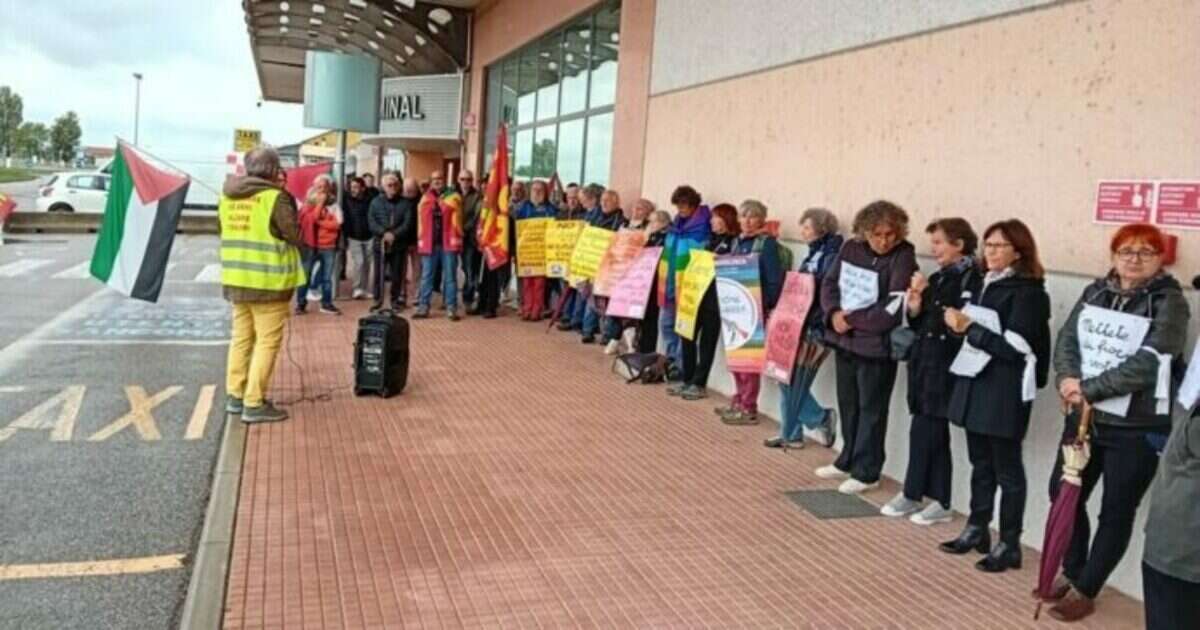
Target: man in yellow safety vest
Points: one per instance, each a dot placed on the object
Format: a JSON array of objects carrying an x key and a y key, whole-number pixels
[{"x": 260, "y": 270}]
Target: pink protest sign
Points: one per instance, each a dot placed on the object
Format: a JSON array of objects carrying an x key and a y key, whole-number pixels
[
  {"x": 631, "y": 293},
  {"x": 786, "y": 326},
  {"x": 1124, "y": 202},
  {"x": 625, "y": 248},
  {"x": 1178, "y": 205}
]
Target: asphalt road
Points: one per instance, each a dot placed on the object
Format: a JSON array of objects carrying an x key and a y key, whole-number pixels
[{"x": 107, "y": 437}]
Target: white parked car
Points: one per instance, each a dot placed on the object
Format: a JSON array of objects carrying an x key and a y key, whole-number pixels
[{"x": 74, "y": 191}]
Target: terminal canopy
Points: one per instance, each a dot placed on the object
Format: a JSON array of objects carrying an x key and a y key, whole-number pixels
[{"x": 409, "y": 37}]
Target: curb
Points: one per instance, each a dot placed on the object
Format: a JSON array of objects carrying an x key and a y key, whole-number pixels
[{"x": 204, "y": 607}]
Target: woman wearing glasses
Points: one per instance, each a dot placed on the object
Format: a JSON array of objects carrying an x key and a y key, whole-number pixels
[
  {"x": 1115, "y": 352},
  {"x": 1005, "y": 358}
]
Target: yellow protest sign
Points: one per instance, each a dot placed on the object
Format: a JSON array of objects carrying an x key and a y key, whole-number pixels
[
  {"x": 701, "y": 269},
  {"x": 589, "y": 251},
  {"x": 531, "y": 246},
  {"x": 560, "y": 243},
  {"x": 246, "y": 139}
]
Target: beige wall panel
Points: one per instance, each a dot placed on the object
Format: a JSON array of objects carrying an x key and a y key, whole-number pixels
[{"x": 1015, "y": 116}]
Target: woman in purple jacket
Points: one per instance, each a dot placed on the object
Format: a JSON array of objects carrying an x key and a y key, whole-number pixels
[{"x": 861, "y": 297}]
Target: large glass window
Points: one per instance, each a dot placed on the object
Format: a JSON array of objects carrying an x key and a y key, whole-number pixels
[{"x": 556, "y": 95}]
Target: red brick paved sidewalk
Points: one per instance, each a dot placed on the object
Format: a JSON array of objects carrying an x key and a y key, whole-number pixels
[{"x": 517, "y": 483}]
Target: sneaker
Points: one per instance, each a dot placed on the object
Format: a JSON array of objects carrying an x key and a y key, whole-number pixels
[
  {"x": 422, "y": 313},
  {"x": 452, "y": 315},
  {"x": 854, "y": 486},
  {"x": 740, "y": 417},
  {"x": 778, "y": 442},
  {"x": 825, "y": 435},
  {"x": 900, "y": 505},
  {"x": 831, "y": 472},
  {"x": 628, "y": 340},
  {"x": 612, "y": 347},
  {"x": 933, "y": 514},
  {"x": 330, "y": 309},
  {"x": 675, "y": 389},
  {"x": 233, "y": 405},
  {"x": 564, "y": 326},
  {"x": 313, "y": 296},
  {"x": 265, "y": 412},
  {"x": 358, "y": 294},
  {"x": 588, "y": 339},
  {"x": 693, "y": 392},
  {"x": 724, "y": 411},
  {"x": 301, "y": 309}
]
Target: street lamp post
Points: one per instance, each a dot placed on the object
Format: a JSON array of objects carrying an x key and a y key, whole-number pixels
[{"x": 137, "y": 106}]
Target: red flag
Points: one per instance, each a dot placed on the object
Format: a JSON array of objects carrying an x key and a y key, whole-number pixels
[
  {"x": 301, "y": 177},
  {"x": 494, "y": 229},
  {"x": 7, "y": 205}
]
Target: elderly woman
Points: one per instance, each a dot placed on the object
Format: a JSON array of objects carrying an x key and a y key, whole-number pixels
[
  {"x": 320, "y": 226},
  {"x": 861, "y": 297},
  {"x": 533, "y": 288},
  {"x": 754, "y": 239},
  {"x": 953, "y": 245},
  {"x": 1131, "y": 395},
  {"x": 801, "y": 415},
  {"x": 1005, "y": 358}
]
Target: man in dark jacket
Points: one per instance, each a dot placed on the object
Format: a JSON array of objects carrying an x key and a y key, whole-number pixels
[
  {"x": 392, "y": 218},
  {"x": 357, "y": 230},
  {"x": 608, "y": 216},
  {"x": 471, "y": 258}
]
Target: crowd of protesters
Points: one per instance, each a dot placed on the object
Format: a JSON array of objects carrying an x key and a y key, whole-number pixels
[{"x": 975, "y": 334}]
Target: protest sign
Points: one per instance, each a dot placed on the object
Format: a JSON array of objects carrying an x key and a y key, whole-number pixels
[
  {"x": 786, "y": 326},
  {"x": 1106, "y": 339},
  {"x": 699, "y": 274},
  {"x": 631, "y": 293},
  {"x": 560, "y": 243},
  {"x": 739, "y": 292},
  {"x": 531, "y": 246},
  {"x": 859, "y": 287},
  {"x": 626, "y": 246},
  {"x": 589, "y": 250}
]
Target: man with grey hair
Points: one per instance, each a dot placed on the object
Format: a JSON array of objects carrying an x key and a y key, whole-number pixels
[
  {"x": 392, "y": 219},
  {"x": 260, "y": 270}
]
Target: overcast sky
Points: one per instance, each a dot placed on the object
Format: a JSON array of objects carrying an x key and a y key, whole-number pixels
[{"x": 199, "y": 78}]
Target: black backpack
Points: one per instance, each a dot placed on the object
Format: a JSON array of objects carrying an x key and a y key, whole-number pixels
[{"x": 646, "y": 368}]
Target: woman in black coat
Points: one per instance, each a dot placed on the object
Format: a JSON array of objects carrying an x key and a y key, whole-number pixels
[
  {"x": 998, "y": 373},
  {"x": 953, "y": 243}
]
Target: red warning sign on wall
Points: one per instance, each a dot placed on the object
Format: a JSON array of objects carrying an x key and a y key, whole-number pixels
[
  {"x": 1124, "y": 202},
  {"x": 1178, "y": 205}
]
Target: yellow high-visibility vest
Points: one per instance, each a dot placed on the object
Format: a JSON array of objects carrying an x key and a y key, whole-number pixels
[{"x": 251, "y": 257}]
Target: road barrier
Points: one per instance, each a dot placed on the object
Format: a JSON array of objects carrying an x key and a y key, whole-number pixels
[{"x": 194, "y": 221}]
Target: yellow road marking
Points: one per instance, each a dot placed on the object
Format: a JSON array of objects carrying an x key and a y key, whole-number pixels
[
  {"x": 68, "y": 402},
  {"x": 127, "y": 566},
  {"x": 139, "y": 416},
  {"x": 195, "y": 427}
]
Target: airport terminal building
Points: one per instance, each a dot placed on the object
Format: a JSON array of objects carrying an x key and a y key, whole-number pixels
[{"x": 985, "y": 109}]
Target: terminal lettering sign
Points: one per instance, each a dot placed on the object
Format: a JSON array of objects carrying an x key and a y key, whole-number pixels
[{"x": 401, "y": 107}]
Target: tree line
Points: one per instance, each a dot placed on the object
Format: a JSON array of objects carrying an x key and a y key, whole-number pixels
[{"x": 34, "y": 140}]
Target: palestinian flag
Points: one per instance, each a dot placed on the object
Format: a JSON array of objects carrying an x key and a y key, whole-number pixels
[
  {"x": 143, "y": 210},
  {"x": 494, "y": 222}
]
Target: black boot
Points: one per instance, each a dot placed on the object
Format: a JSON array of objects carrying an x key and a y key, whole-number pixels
[
  {"x": 975, "y": 537},
  {"x": 1006, "y": 555}
]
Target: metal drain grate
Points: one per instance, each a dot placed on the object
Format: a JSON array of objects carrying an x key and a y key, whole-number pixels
[{"x": 830, "y": 504}]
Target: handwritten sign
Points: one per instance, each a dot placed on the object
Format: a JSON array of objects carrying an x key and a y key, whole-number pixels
[
  {"x": 859, "y": 287},
  {"x": 589, "y": 252},
  {"x": 739, "y": 291},
  {"x": 631, "y": 293},
  {"x": 620, "y": 255},
  {"x": 531, "y": 246},
  {"x": 970, "y": 361},
  {"x": 701, "y": 269},
  {"x": 1178, "y": 205},
  {"x": 1106, "y": 339},
  {"x": 786, "y": 327},
  {"x": 1124, "y": 202},
  {"x": 560, "y": 243}
]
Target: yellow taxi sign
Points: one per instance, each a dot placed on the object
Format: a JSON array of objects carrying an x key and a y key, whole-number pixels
[{"x": 246, "y": 139}]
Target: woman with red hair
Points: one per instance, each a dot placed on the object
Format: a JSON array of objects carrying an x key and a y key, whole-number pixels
[{"x": 1126, "y": 376}]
